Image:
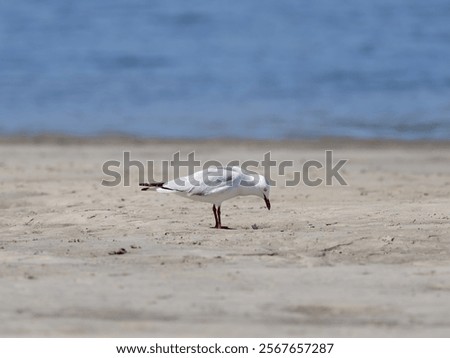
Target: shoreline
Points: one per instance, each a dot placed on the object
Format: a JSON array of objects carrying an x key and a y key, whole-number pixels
[{"x": 106, "y": 139}]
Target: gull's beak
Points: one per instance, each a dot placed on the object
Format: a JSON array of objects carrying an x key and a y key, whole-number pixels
[{"x": 267, "y": 202}]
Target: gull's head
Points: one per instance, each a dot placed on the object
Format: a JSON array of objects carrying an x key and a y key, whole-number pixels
[
  {"x": 255, "y": 184},
  {"x": 263, "y": 190}
]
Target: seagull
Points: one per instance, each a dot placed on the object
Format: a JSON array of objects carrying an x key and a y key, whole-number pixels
[{"x": 215, "y": 185}]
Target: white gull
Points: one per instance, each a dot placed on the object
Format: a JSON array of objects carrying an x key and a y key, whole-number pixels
[{"x": 215, "y": 185}]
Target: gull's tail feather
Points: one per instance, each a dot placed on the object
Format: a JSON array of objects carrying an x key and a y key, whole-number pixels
[{"x": 148, "y": 186}]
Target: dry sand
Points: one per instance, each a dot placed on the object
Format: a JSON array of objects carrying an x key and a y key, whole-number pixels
[{"x": 367, "y": 259}]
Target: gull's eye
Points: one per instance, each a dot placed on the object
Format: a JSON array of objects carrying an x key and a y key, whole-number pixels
[{"x": 265, "y": 189}]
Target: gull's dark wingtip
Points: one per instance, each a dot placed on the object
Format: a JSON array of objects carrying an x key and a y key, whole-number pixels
[{"x": 148, "y": 186}]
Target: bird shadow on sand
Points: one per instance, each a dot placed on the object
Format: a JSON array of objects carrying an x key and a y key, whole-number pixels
[{"x": 222, "y": 228}]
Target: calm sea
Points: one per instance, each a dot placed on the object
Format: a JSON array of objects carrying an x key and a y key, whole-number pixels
[{"x": 210, "y": 68}]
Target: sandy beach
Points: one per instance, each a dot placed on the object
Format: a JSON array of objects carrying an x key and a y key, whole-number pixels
[{"x": 369, "y": 259}]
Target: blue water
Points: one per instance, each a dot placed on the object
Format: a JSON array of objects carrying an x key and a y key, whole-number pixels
[{"x": 210, "y": 68}]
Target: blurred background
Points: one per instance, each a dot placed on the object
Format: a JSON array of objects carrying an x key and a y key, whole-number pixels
[{"x": 210, "y": 68}]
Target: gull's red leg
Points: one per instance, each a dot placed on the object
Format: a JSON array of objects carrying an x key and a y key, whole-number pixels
[{"x": 216, "y": 217}]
